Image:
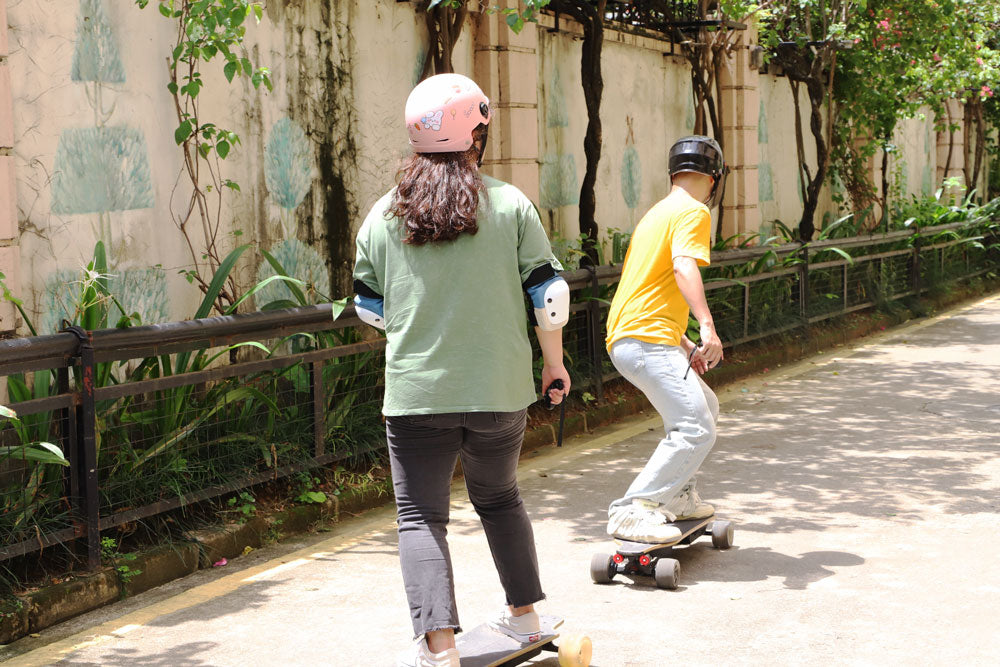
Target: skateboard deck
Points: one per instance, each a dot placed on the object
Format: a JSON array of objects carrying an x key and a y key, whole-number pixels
[{"x": 485, "y": 647}]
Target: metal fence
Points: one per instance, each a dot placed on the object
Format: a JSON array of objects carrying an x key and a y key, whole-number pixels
[{"x": 157, "y": 417}]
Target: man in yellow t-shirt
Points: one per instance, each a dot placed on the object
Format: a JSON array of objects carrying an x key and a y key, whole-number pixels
[{"x": 660, "y": 284}]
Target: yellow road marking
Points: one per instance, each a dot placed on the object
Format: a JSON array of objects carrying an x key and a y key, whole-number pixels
[
  {"x": 125, "y": 629},
  {"x": 260, "y": 576}
]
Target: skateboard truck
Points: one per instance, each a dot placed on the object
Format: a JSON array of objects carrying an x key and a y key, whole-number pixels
[
  {"x": 656, "y": 560},
  {"x": 547, "y": 402}
]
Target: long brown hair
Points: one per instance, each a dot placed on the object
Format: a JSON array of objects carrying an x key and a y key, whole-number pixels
[{"x": 437, "y": 196}]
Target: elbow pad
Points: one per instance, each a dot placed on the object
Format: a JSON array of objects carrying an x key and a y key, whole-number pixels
[
  {"x": 549, "y": 295},
  {"x": 369, "y": 305}
]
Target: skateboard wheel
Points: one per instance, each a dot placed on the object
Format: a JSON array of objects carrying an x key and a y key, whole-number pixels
[
  {"x": 575, "y": 651},
  {"x": 667, "y": 573},
  {"x": 602, "y": 568},
  {"x": 722, "y": 534}
]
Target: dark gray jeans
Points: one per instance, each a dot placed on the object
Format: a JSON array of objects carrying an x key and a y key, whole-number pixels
[{"x": 423, "y": 450}]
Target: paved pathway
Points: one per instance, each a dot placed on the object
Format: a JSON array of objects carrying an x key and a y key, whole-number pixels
[{"x": 865, "y": 483}]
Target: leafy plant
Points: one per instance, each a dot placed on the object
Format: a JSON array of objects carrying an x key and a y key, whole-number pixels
[
  {"x": 125, "y": 574},
  {"x": 10, "y": 606},
  {"x": 38, "y": 452},
  {"x": 306, "y": 489},
  {"x": 243, "y": 505},
  {"x": 26, "y": 497}
]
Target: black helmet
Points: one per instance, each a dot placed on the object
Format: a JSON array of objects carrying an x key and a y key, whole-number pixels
[{"x": 703, "y": 155}]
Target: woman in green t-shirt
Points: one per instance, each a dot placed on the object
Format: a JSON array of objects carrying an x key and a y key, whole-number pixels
[{"x": 443, "y": 261}]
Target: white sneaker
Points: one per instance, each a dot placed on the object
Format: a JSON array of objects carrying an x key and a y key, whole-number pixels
[
  {"x": 524, "y": 628},
  {"x": 418, "y": 655},
  {"x": 642, "y": 522},
  {"x": 686, "y": 505}
]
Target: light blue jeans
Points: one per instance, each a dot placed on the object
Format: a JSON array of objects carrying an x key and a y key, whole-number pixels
[{"x": 688, "y": 407}]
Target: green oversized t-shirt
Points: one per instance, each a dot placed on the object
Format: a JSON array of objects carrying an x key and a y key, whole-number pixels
[{"x": 455, "y": 318}]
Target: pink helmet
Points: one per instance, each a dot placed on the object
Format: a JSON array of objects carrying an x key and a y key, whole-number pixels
[{"x": 442, "y": 111}]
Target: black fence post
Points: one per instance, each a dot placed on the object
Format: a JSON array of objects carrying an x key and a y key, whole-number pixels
[
  {"x": 89, "y": 442},
  {"x": 804, "y": 285},
  {"x": 318, "y": 395},
  {"x": 68, "y": 437},
  {"x": 746, "y": 309},
  {"x": 594, "y": 334},
  {"x": 86, "y": 440},
  {"x": 916, "y": 264},
  {"x": 846, "y": 287}
]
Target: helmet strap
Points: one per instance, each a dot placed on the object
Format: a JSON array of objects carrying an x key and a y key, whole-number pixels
[
  {"x": 482, "y": 149},
  {"x": 718, "y": 187},
  {"x": 710, "y": 200}
]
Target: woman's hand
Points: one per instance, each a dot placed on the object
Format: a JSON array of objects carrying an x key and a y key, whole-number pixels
[{"x": 552, "y": 373}]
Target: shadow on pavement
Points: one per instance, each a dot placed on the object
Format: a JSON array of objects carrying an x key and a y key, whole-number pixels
[
  {"x": 251, "y": 596},
  {"x": 182, "y": 655}
]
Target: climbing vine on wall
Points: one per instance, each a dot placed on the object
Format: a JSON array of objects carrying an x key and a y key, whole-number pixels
[{"x": 207, "y": 30}]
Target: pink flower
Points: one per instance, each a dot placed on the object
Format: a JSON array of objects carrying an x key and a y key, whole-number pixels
[
  {"x": 937, "y": 58},
  {"x": 883, "y": 24},
  {"x": 980, "y": 61},
  {"x": 220, "y": 563},
  {"x": 987, "y": 91}
]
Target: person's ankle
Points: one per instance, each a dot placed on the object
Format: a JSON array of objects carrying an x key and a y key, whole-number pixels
[
  {"x": 440, "y": 640},
  {"x": 521, "y": 611}
]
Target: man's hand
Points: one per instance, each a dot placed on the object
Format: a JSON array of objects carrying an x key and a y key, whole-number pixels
[
  {"x": 711, "y": 345},
  {"x": 689, "y": 282},
  {"x": 695, "y": 358},
  {"x": 552, "y": 373},
  {"x": 698, "y": 363}
]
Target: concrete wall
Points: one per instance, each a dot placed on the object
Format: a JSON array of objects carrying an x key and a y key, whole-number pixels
[
  {"x": 86, "y": 140},
  {"x": 10, "y": 252},
  {"x": 913, "y": 166},
  {"x": 646, "y": 104},
  {"x": 779, "y": 184}
]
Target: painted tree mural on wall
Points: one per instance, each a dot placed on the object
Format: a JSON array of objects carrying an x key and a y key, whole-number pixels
[
  {"x": 287, "y": 169},
  {"x": 288, "y": 174},
  {"x": 631, "y": 177},
  {"x": 765, "y": 176},
  {"x": 102, "y": 169},
  {"x": 558, "y": 185},
  {"x": 96, "y": 57}
]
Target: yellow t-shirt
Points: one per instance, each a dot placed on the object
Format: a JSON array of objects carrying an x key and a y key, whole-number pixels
[{"x": 648, "y": 304}]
